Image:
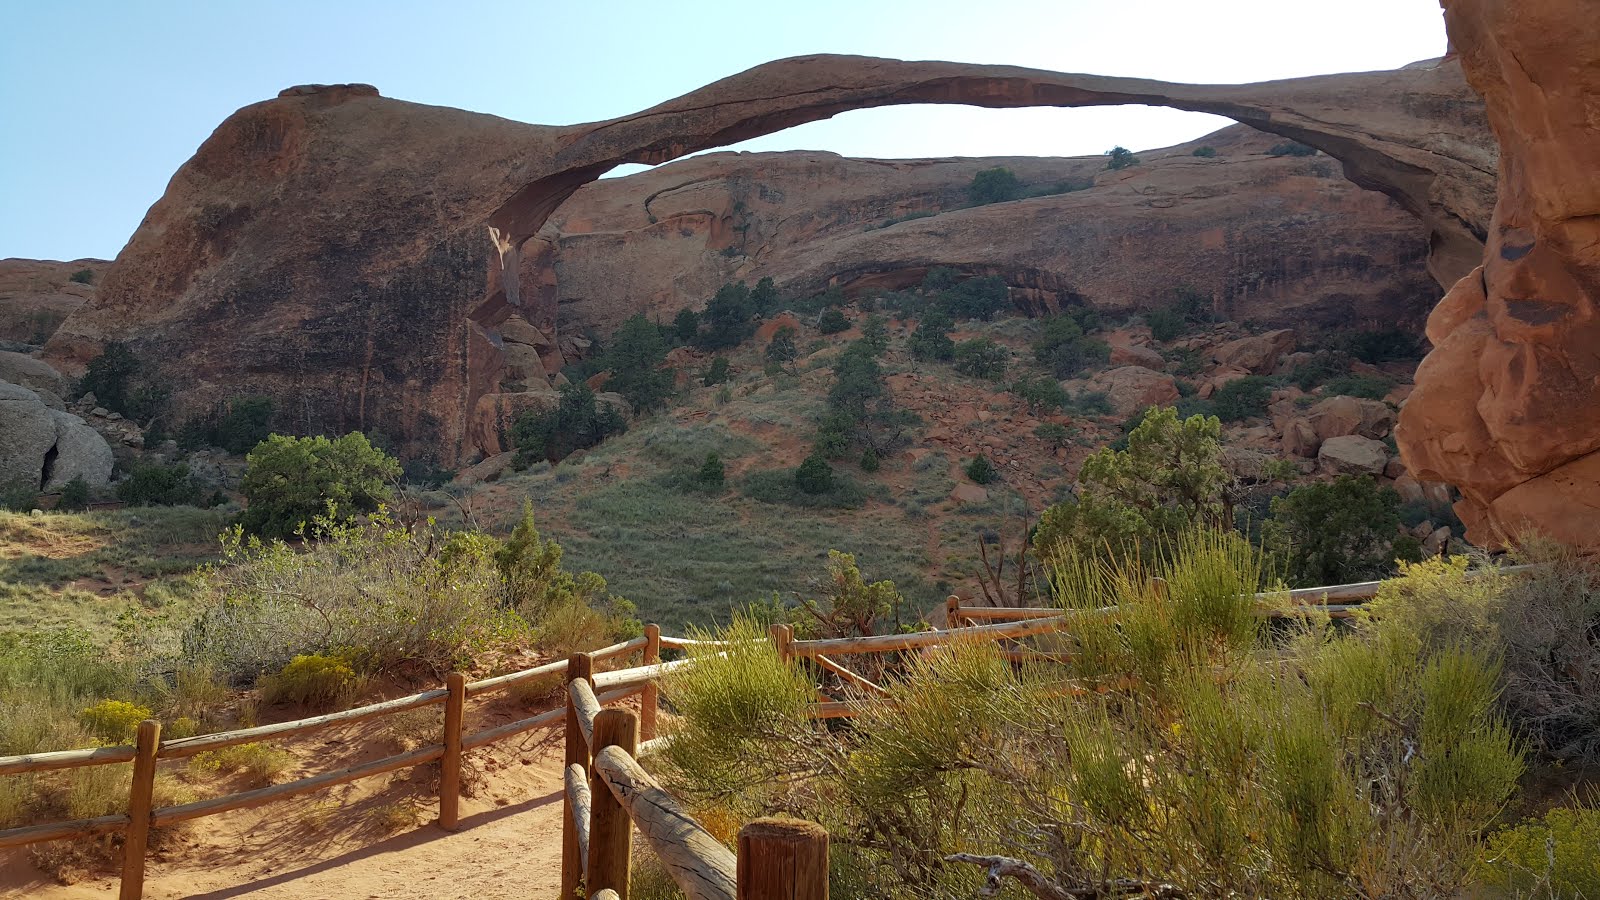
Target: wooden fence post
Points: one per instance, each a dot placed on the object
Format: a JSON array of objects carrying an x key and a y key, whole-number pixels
[
  {"x": 579, "y": 665},
  {"x": 783, "y": 859},
  {"x": 782, "y": 636},
  {"x": 952, "y": 612},
  {"x": 651, "y": 697},
  {"x": 145, "y": 746},
  {"x": 610, "y": 829},
  {"x": 455, "y": 707}
]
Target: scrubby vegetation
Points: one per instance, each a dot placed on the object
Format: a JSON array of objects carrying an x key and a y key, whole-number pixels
[
  {"x": 1181, "y": 749},
  {"x": 290, "y": 482},
  {"x": 578, "y": 422}
]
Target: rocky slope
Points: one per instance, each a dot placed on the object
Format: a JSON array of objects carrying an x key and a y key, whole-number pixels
[
  {"x": 37, "y": 295},
  {"x": 327, "y": 247},
  {"x": 1507, "y": 406},
  {"x": 1276, "y": 240}
]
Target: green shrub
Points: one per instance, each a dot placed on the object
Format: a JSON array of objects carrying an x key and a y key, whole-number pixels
[
  {"x": 870, "y": 461},
  {"x": 779, "y": 486},
  {"x": 686, "y": 325},
  {"x": 289, "y": 482},
  {"x": 1322, "y": 367},
  {"x": 82, "y": 276},
  {"x": 74, "y": 496},
  {"x": 1335, "y": 532},
  {"x": 1371, "y": 387},
  {"x": 1291, "y": 148},
  {"x": 578, "y": 422},
  {"x": 931, "y": 340},
  {"x": 781, "y": 348},
  {"x": 729, "y": 318},
  {"x": 764, "y": 297},
  {"x": 995, "y": 185},
  {"x": 19, "y": 496},
  {"x": 1552, "y": 856},
  {"x": 833, "y": 321},
  {"x": 245, "y": 422},
  {"x": 711, "y": 475},
  {"x": 982, "y": 358},
  {"x": 1054, "y": 433},
  {"x": 313, "y": 680},
  {"x": 1042, "y": 394},
  {"x": 717, "y": 373},
  {"x": 155, "y": 484},
  {"x": 1205, "y": 152},
  {"x": 981, "y": 470},
  {"x": 114, "y": 721},
  {"x": 1120, "y": 158},
  {"x": 1381, "y": 346},
  {"x": 976, "y": 298},
  {"x": 1063, "y": 347},
  {"x": 1091, "y": 403},
  {"x": 814, "y": 476},
  {"x": 635, "y": 359},
  {"x": 875, "y": 335},
  {"x": 1165, "y": 324},
  {"x": 109, "y": 377},
  {"x": 1242, "y": 398}
]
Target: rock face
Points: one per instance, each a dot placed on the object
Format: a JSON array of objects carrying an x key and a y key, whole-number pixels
[
  {"x": 45, "y": 448},
  {"x": 327, "y": 247},
  {"x": 1507, "y": 406},
  {"x": 1274, "y": 240},
  {"x": 37, "y": 295}
]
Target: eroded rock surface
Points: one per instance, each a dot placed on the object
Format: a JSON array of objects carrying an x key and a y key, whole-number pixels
[
  {"x": 37, "y": 295},
  {"x": 327, "y": 247},
  {"x": 1507, "y": 406}
]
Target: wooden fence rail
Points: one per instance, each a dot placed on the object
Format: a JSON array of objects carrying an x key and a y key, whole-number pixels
[{"x": 599, "y": 767}]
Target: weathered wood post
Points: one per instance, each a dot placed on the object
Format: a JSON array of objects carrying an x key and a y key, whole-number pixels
[
  {"x": 651, "y": 697},
  {"x": 952, "y": 612},
  {"x": 455, "y": 707},
  {"x": 579, "y": 665},
  {"x": 610, "y": 829},
  {"x": 783, "y": 859},
  {"x": 782, "y": 638},
  {"x": 145, "y": 745}
]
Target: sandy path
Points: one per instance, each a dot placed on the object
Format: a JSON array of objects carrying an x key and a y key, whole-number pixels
[{"x": 509, "y": 846}]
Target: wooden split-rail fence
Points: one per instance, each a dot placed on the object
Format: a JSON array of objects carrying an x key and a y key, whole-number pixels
[{"x": 607, "y": 793}]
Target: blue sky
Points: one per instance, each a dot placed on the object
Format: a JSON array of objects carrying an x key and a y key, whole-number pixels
[{"x": 101, "y": 101}]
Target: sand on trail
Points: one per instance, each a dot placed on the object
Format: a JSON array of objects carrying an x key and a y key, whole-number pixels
[{"x": 345, "y": 842}]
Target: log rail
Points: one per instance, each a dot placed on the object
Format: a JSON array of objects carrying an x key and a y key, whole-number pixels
[{"x": 606, "y": 791}]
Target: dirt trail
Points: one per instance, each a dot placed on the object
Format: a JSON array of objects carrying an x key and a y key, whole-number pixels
[{"x": 342, "y": 843}]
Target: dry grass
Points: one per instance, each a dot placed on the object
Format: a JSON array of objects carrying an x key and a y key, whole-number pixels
[{"x": 261, "y": 764}]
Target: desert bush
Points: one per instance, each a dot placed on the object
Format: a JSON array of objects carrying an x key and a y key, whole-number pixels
[
  {"x": 982, "y": 358},
  {"x": 781, "y": 349},
  {"x": 1168, "y": 480},
  {"x": 1205, "y": 152},
  {"x": 1554, "y": 855},
  {"x": 1547, "y": 623},
  {"x": 717, "y": 373},
  {"x": 1053, "y": 432},
  {"x": 236, "y": 426},
  {"x": 712, "y": 476},
  {"x": 782, "y": 486},
  {"x": 1042, "y": 394},
  {"x": 995, "y": 185},
  {"x": 1371, "y": 387},
  {"x": 1291, "y": 148},
  {"x": 980, "y": 298},
  {"x": 1211, "y": 758},
  {"x": 1063, "y": 347},
  {"x": 19, "y": 496},
  {"x": 82, "y": 276},
  {"x": 1242, "y": 398},
  {"x": 981, "y": 470},
  {"x": 157, "y": 484},
  {"x": 729, "y": 318},
  {"x": 931, "y": 340},
  {"x": 319, "y": 681},
  {"x": 814, "y": 476},
  {"x": 1322, "y": 367},
  {"x": 1165, "y": 324},
  {"x": 578, "y": 422},
  {"x": 685, "y": 325},
  {"x": 635, "y": 359},
  {"x": 290, "y": 483},
  {"x": 875, "y": 335},
  {"x": 1091, "y": 403},
  {"x": 833, "y": 321},
  {"x": 74, "y": 496},
  {"x": 1382, "y": 345},
  {"x": 261, "y": 764},
  {"x": 1120, "y": 158},
  {"x": 1335, "y": 532},
  {"x": 114, "y": 721}
]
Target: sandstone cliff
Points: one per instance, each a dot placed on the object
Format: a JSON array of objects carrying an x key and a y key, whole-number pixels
[
  {"x": 328, "y": 247},
  {"x": 1507, "y": 406},
  {"x": 1282, "y": 241},
  {"x": 37, "y": 295}
]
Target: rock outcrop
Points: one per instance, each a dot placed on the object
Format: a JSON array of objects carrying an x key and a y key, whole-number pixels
[
  {"x": 45, "y": 448},
  {"x": 37, "y": 295},
  {"x": 327, "y": 247},
  {"x": 1507, "y": 406}
]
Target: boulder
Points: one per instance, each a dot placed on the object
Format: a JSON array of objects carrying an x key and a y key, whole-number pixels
[
  {"x": 1136, "y": 355},
  {"x": 34, "y": 374},
  {"x": 1249, "y": 465},
  {"x": 1300, "y": 439},
  {"x": 966, "y": 492},
  {"x": 80, "y": 452},
  {"x": 1352, "y": 454},
  {"x": 1434, "y": 544},
  {"x": 1259, "y": 353},
  {"x": 1132, "y": 388},
  {"x": 1340, "y": 416},
  {"x": 486, "y": 470},
  {"x": 494, "y": 413},
  {"x": 27, "y": 432},
  {"x": 1409, "y": 489},
  {"x": 1218, "y": 378}
]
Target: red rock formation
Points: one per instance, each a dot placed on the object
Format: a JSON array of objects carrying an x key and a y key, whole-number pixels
[
  {"x": 1275, "y": 240},
  {"x": 1507, "y": 406},
  {"x": 37, "y": 295},
  {"x": 326, "y": 247}
]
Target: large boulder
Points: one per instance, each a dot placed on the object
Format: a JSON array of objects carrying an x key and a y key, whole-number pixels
[
  {"x": 29, "y": 372},
  {"x": 1132, "y": 388},
  {"x": 1352, "y": 454},
  {"x": 27, "y": 432},
  {"x": 45, "y": 448},
  {"x": 80, "y": 452},
  {"x": 1507, "y": 405},
  {"x": 1258, "y": 353},
  {"x": 1340, "y": 416}
]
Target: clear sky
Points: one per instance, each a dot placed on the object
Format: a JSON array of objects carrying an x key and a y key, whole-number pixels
[{"x": 100, "y": 102}]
